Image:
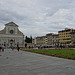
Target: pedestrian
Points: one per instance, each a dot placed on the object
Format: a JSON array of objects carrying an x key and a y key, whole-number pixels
[
  {"x": 18, "y": 48},
  {"x": 2, "y": 48}
]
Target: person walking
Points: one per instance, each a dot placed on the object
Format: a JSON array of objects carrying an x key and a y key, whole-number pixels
[
  {"x": 2, "y": 48},
  {"x": 18, "y": 48}
]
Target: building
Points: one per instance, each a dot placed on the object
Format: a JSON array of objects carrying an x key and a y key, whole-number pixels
[
  {"x": 11, "y": 35},
  {"x": 34, "y": 41},
  {"x": 50, "y": 39},
  {"x": 73, "y": 38},
  {"x": 40, "y": 41},
  {"x": 65, "y": 36},
  {"x": 55, "y": 40}
]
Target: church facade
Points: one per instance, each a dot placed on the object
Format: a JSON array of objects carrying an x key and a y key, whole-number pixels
[{"x": 11, "y": 35}]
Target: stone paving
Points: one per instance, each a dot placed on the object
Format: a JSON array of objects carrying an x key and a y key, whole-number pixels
[{"x": 13, "y": 62}]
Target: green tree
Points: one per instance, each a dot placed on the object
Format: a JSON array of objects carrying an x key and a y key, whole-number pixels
[
  {"x": 31, "y": 39},
  {"x": 28, "y": 39}
]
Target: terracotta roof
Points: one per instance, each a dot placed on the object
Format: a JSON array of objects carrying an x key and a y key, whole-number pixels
[
  {"x": 49, "y": 34},
  {"x": 66, "y": 29}
]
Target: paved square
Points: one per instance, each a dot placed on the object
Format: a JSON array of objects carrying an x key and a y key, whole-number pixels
[{"x": 13, "y": 62}]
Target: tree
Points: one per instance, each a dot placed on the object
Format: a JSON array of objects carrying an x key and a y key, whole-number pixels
[{"x": 28, "y": 39}]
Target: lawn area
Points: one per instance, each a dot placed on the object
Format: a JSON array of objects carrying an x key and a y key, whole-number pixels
[{"x": 63, "y": 53}]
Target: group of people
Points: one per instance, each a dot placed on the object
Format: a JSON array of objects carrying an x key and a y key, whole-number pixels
[{"x": 3, "y": 47}]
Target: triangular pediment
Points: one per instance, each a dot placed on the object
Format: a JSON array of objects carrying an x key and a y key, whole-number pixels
[{"x": 11, "y": 24}]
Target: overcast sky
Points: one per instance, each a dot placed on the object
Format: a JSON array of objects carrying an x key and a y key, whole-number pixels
[{"x": 38, "y": 17}]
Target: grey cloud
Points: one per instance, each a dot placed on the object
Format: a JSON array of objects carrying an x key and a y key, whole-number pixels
[{"x": 37, "y": 17}]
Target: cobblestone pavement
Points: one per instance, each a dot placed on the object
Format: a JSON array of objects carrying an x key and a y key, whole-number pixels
[{"x": 13, "y": 62}]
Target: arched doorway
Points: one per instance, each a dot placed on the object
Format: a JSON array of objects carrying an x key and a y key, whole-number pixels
[{"x": 11, "y": 43}]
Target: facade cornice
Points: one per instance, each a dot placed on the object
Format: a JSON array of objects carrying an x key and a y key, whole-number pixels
[{"x": 11, "y": 24}]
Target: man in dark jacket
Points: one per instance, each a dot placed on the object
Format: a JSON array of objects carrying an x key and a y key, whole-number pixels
[{"x": 18, "y": 48}]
